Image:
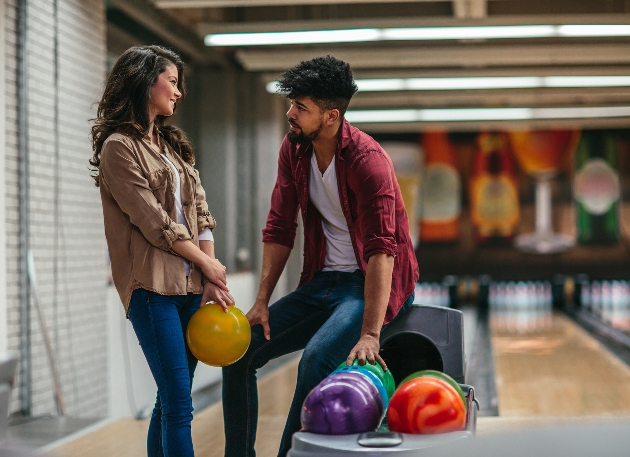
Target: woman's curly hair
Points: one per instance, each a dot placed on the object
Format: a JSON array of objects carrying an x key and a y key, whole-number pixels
[
  {"x": 326, "y": 80},
  {"x": 124, "y": 104}
]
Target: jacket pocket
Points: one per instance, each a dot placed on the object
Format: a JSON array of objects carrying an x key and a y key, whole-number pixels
[
  {"x": 192, "y": 180},
  {"x": 161, "y": 184}
]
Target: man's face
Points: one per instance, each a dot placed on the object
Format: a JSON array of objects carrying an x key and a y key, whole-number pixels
[{"x": 306, "y": 120}]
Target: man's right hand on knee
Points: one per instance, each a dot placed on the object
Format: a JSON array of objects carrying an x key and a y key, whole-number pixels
[{"x": 259, "y": 315}]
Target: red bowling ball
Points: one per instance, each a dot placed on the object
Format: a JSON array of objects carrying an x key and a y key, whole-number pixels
[
  {"x": 426, "y": 405},
  {"x": 438, "y": 375}
]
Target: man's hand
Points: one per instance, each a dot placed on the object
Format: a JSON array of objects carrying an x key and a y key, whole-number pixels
[
  {"x": 212, "y": 292},
  {"x": 259, "y": 314},
  {"x": 366, "y": 349}
]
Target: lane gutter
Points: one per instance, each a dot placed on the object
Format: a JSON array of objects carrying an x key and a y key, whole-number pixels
[{"x": 615, "y": 340}]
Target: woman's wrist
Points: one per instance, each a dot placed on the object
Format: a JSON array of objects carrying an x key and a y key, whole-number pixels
[{"x": 207, "y": 262}]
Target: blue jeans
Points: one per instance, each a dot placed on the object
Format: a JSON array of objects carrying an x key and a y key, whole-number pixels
[
  {"x": 160, "y": 323},
  {"x": 323, "y": 317}
]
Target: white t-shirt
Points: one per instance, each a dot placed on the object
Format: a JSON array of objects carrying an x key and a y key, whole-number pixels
[
  {"x": 324, "y": 194},
  {"x": 206, "y": 235}
]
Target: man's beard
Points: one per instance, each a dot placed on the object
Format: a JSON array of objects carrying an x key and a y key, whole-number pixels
[{"x": 303, "y": 138}]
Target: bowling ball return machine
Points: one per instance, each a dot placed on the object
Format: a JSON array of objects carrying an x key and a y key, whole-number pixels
[{"x": 425, "y": 338}]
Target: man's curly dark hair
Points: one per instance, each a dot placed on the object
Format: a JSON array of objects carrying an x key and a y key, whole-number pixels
[{"x": 326, "y": 80}]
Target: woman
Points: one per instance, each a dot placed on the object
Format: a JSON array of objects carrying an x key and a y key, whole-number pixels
[{"x": 158, "y": 228}]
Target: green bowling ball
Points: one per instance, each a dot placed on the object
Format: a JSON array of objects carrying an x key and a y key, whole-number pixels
[
  {"x": 438, "y": 375},
  {"x": 385, "y": 376}
]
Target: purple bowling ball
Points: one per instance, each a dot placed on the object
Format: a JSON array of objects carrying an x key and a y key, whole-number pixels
[{"x": 343, "y": 403}]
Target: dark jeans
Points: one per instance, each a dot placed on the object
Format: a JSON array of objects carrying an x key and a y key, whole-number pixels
[
  {"x": 323, "y": 317},
  {"x": 160, "y": 323}
]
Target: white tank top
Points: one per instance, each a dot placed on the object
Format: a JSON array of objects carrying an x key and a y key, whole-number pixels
[
  {"x": 324, "y": 194},
  {"x": 206, "y": 235}
]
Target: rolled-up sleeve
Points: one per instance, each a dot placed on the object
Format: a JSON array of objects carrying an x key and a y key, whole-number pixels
[
  {"x": 281, "y": 223},
  {"x": 373, "y": 182},
  {"x": 120, "y": 172},
  {"x": 204, "y": 218}
]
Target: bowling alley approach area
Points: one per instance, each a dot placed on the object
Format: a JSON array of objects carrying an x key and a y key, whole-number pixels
[{"x": 534, "y": 366}]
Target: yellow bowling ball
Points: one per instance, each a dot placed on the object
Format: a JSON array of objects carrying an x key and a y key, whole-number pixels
[{"x": 218, "y": 338}]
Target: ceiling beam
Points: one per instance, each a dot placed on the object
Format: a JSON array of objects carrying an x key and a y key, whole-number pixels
[
  {"x": 235, "y": 3},
  {"x": 587, "y": 70},
  {"x": 468, "y": 56},
  {"x": 609, "y": 96},
  {"x": 180, "y": 38},
  {"x": 403, "y": 22},
  {"x": 475, "y": 9}
]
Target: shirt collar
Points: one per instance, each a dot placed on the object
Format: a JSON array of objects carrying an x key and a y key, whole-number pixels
[
  {"x": 147, "y": 137},
  {"x": 156, "y": 130},
  {"x": 345, "y": 134}
]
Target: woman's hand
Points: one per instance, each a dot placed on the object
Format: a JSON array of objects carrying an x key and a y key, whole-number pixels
[
  {"x": 214, "y": 271},
  {"x": 203, "y": 257},
  {"x": 212, "y": 292}
]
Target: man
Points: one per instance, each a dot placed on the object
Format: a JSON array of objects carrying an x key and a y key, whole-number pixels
[{"x": 359, "y": 266}]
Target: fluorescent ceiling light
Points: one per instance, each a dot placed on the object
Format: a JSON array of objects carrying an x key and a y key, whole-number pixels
[
  {"x": 585, "y": 81},
  {"x": 593, "y": 30},
  {"x": 272, "y": 87},
  {"x": 304, "y": 37},
  {"x": 490, "y": 82},
  {"x": 396, "y": 84},
  {"x": 484, "y": 114},
  {"x": 437, "y": 115},
  {"x": 417, "y": 34},
  {"x": 468, "y": 33},
  {"x": 476, "y": 82}
]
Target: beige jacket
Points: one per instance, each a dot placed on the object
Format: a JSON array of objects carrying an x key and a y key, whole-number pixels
[{"x": 138, "y": 196}]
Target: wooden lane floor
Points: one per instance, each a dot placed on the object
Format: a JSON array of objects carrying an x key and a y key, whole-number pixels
[
  {"x": 127, "y": 437},
  {"x": 549, "y": 368},
  {"x": 553, "y": 373}
]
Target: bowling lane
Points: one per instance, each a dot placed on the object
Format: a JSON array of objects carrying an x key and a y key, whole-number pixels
[{"x": 550, "y": 367}]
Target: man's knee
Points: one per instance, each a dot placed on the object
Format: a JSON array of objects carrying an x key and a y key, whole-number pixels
[
  {"x": 314, "y": 364},
  {"x": 251, "y": 358}
]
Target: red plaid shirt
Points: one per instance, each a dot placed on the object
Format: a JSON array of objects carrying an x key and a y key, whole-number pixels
[{"x": 370, "y": 200}]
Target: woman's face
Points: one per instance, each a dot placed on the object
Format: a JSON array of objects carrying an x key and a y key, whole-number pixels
[{"x": 164, "y": 93}]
